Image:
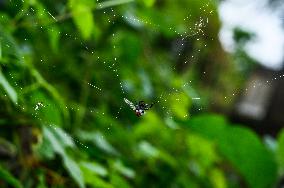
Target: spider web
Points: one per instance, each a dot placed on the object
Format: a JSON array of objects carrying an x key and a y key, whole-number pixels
[{"x": 113, "y": 66}]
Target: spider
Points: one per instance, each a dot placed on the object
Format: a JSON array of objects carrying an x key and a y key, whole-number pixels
[{"x": 139, "y": 108}]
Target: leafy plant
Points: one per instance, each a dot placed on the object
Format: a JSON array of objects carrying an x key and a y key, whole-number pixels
[{"x": 65, "y": 68}]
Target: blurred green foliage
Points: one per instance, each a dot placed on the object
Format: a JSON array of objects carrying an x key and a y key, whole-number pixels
[{"x": 66, "y": 67}]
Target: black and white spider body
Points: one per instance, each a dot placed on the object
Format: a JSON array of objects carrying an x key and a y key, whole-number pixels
[{"x": 139, "y": 108}]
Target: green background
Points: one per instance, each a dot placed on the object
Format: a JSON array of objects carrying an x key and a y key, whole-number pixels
[{"x": 65, "y": 67}]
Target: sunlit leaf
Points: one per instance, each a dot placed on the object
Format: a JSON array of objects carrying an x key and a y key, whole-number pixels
[
  {"x": 92, "y": 172},
  {"x": 94, "y": 168},
  {"x": 217, "y": 178},
  {"x": 180, "y": 105},
  {"x": 112, "y": 3},
  {"x": 149, "y": 3},
  {"x": 118, "y": 181},
  {"x": 82, "y": 16},
  {"x": 96, "y": 181}
]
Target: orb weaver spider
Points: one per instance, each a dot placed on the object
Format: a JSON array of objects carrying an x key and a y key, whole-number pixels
[{"x": 139, "y": 108}]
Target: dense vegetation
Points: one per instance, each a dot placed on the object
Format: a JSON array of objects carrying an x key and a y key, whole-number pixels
[{"x": 65, "y": 68}]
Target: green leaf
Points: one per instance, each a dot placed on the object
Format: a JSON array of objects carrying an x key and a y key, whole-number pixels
[
  {"x": 121, "y": 168},
  {"x": 118, "y": 181},
  {"x": 150, "y": 151},
  {"x": 53, "y": 107},
  {"x": 99, "y": 140},
  {"x": 147, "y": 149},
  {"x": 96, "y": 181},
  {"x": 280, "y": 151},
  {"x": 217, "y": 178},
  {"x": 92, "y": 171},
  {"x": 74, "y": 170},
  {"x": 58, "y": 146},
  {"x": 94, "y": 168},
  {"x": 6, "y": 176},
  {"x": 8, "y": 88},
  {"x": 55, "y": 144},
  {"x": 8, "y": 148},
  {"x": 112, "y": 3},
  {"x": 49, "y": 112},
  {"x": 82, "y": 16},
  {"x": 45, "y": 149},
  {"x": 0, "y": 51},
  {"x": 54, "y": 37},
  {"x": 64, "y": 139},
  {"x": 180, "y": 105},
  {"x": 204, "y": 156},
  {"x": 42, "y": 181},
  {"x": 9, "y": 48},
  {"x": 241, "y": 147},
  {"x": 149, "y": 3}
]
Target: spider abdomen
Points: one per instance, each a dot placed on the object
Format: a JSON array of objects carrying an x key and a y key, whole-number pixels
[{"x": 139, "y": 112}]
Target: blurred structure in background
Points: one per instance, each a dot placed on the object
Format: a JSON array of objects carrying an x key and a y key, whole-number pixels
[
  {"x": 255, "y": 100},
  {"x": 260, "y": 104}
]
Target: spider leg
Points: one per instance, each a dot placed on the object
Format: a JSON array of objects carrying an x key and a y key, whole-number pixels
[
  {"x": 147, "y": 106},
  {"x": 132, "y": 106},
  {"x": 152, "y": 104}
]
